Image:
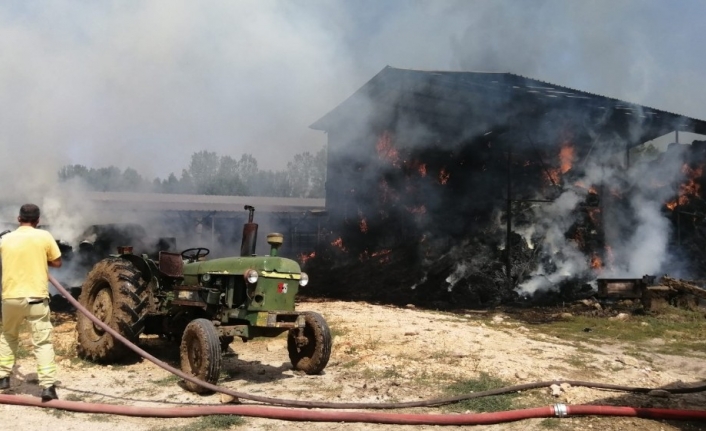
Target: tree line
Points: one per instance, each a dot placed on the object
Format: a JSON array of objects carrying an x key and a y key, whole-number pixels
[{"x": 211, "y": 174}]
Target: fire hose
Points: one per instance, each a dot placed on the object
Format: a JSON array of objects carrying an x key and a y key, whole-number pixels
[
  {"x": 268, "y": 412},
  {"x": 558, "y": 410}
]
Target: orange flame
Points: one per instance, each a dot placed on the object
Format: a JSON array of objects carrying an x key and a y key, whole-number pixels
[
  {"x": 444, "y": 176},
  {"x": 303, "y": 258},
  {"x": 689, "y": 188},
  {"x": 566, "y": 157},
  {"x": 596, "y": 262},
  {"x": 566, "y": 160},
  {"x": 338, "y": 242},
  {"x": 383, "y": 255},
  {"x": 386, "y": 150},
  {"x": 422, "y": 170}
]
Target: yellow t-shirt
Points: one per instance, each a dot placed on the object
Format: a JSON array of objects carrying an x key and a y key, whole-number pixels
[{"x": 25, "y": 253}]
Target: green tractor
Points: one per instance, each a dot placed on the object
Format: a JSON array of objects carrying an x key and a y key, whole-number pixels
[{"x": 204, "y": 303}]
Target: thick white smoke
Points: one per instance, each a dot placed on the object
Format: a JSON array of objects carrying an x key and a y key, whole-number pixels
[
  {"x": 636, "y": 233},
  {"x": 646, "y": 249},
  {"x": 552, "y": 223}
]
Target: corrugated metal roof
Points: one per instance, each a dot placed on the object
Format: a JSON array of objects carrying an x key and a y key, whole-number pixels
[
  {"x": 390, "y": 83},
  {"x": 207, "y": 203}
]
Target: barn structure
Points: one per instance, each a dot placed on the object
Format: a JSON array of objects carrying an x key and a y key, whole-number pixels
[
  {"x": 436, "y": 158},
  {"x": 208, "y": 221},
  {"x": 213, "y": 219}
]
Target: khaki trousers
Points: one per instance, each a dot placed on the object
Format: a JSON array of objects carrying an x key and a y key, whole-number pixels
[{"x": 14, "y": 312}]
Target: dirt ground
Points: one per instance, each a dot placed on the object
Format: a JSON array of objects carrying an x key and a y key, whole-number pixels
[{"x": 380, "y": 354}]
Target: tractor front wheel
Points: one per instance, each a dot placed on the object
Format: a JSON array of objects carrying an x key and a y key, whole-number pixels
[
  {"x": 310, "y": 347},
  {"x": 200, "y": 354}
]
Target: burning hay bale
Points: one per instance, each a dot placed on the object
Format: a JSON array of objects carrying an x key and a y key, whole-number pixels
[
  {"x": 464, "y": 257},
  {"x": 483, "y": 189}
]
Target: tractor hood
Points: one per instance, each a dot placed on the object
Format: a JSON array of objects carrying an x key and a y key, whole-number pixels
[{"x": 238, "y": 265}]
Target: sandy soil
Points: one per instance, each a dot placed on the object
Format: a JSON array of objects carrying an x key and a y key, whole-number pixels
[{"x": 381, "y": 354}]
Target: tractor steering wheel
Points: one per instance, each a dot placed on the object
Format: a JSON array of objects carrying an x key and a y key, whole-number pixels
[{"x": 194, "y": 254}]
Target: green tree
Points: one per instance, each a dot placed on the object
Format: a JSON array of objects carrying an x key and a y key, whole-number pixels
[
  {"x": 203, "y": 169},
  {"x": 270, "y": 184},
  {"x": 307, "y": 175},
  {"x": 132, "y": 181},
  {"x": 186, "y": 183},
  {"x": 247, "y": 165},
  {"x": 214, "y": 175},
  {"x": 69, "y": 172},
  {"x": 318, "y": 177},
  {"x": 209, "y": 173},
  {"x": 105, "y": 179},
  {"x": 171, "y": 184}
]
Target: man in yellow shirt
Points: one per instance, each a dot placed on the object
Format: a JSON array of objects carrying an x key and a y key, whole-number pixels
[{"x": 26, "y": 253}]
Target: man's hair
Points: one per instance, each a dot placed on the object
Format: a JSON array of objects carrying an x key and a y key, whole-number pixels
[{"x": 29, "y": 213}]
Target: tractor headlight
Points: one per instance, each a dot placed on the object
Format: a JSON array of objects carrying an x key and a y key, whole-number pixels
[
  {"x": 304, "y": 280},
  {"x": 205, "y": 277},
  {"x": 251, "y": 276}
]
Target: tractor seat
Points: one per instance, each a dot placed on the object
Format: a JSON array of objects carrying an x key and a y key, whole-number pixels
[{"x": 171, "y": 265}]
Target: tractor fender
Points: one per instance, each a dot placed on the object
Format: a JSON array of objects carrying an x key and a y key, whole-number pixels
[{"x": 146, "y": 267}]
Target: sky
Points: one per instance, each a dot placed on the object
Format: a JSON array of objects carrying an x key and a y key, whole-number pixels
[{"x": 145, "y": 84}]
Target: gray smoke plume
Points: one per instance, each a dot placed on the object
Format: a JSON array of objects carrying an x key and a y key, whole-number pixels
[{"x": 147, "y": 84}]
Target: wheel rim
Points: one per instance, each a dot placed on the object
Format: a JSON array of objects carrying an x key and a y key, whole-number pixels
[
  {"x": 102, "y": 308},
  {"x": 310, "y": 347},
  {"x": 307, "y": 350},
  {"x": 304, "y": 352},
  {"x": 195, "y": 356}
]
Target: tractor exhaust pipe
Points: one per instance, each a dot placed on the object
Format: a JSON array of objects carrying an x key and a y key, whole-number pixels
[{"x": 247, "y": 247}]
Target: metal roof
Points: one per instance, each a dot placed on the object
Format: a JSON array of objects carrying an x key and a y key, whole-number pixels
[
  {"x": 202, "y": 203},
  {"x": 392, "y": 86}
]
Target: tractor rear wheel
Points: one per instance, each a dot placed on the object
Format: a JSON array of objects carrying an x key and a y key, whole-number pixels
[
  {"x": 310, "y": 348},
  {"x": 200, "y": 354},
  {"x": 116, "y": 294}
]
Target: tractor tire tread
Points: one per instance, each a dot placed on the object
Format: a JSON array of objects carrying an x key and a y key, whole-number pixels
[
  {"x": 202, "y": 332},
  {"x": 129, "y": 298}
]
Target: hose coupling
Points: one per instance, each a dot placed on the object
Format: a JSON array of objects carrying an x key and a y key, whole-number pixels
[{"x": 560, "y": 410}]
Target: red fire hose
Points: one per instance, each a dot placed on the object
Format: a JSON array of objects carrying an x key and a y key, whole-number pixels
[{"x": 558, "y": 410}]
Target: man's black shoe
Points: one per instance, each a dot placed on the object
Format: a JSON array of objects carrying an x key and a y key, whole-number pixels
[
  {"x": 5, "y": 382},
  {"x": 49, "y": 393}
]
